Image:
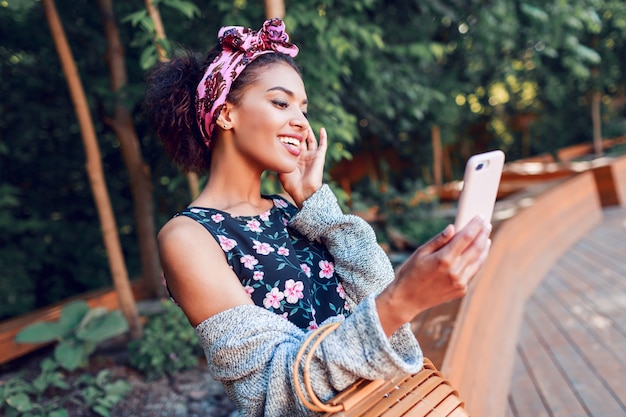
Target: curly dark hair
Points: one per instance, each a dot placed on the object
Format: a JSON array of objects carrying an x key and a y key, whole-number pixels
[{"x": 169, "y": 103}]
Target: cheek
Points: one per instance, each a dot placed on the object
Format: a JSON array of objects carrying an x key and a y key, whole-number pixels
[{"x": 258, "y": 118}]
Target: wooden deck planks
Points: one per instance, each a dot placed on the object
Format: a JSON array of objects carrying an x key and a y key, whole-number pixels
[
  {"x": 528, "y": 400},
  {"x": 571, "y": 357}
]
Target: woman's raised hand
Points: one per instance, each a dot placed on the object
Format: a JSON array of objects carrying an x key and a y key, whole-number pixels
[
  {"x": 307, "y": 178},
  {"x": 437, "y": 272}
]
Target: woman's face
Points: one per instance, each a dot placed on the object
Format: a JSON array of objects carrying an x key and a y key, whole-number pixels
[{"x": 269, "y": 124}]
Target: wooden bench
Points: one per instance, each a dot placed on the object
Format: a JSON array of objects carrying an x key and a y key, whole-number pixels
[
  {"x": 479, "y": 356},
  {"x": 610, "y": 176}
]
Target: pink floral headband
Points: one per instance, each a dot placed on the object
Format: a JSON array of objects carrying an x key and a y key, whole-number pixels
[{"x": 240, "y": 46}]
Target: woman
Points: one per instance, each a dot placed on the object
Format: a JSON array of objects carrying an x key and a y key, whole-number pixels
[{"x": 254, "y": 273}]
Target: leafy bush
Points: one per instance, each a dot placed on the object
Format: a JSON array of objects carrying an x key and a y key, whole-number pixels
[
  {"x": 406, "y": 211},
  {"x": 19, "y": 397},
  {"x": 169, "y": 344},
  {"x": 78, "y": 332}
]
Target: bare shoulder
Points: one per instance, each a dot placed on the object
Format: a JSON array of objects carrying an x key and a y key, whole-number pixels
[
  {"x": 196, "y": 270},
  {"x": 182, "y": 230}
]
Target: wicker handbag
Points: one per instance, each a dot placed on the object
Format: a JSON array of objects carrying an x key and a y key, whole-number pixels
[{"x": 425, "y": 393}]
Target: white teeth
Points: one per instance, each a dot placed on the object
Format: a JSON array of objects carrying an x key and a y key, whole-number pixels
[{"x": 289, "y": 141}]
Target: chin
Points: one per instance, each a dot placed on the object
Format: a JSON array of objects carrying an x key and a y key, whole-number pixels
[
  {"x": 285, "y": 167},
  {"x": 285, "y": 170}
]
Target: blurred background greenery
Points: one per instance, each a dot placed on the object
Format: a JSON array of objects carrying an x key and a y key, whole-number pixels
[{"x": 381, "y": 77}]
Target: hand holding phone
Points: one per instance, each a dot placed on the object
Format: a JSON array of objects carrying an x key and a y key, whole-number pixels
[{"x": 480, "y": 187}]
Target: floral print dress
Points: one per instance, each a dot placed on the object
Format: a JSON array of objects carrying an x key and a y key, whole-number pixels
[{"x": 279, "y": 268}]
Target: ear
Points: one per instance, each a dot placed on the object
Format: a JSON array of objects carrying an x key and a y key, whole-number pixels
[{"x": 227, "y": 116}]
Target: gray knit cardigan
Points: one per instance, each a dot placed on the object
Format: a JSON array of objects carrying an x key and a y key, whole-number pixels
[{"x": 251, "y": 350}]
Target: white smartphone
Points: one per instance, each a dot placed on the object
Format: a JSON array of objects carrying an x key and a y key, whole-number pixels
[{"x": 480, "y": 187}]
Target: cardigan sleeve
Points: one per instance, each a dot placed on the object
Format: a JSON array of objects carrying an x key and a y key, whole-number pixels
[
  {"x": 362, "y": 265},
  {"x": 252, "y": 350}
]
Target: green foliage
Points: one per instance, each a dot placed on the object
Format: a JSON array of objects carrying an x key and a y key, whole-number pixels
[
  {"x": 375, "y": 71},
  {"x": 78, "y": 332},
  {"x": 406, "y": 211},
  {"x": 100, "y": 393},
  {"x": 16, "y": 289},
  {"x": 168, "y": 344},
  {"x": 147, "y": 39},
  {"x": 19, "y": 397}
]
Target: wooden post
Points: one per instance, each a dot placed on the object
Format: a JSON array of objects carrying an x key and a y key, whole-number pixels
[
  {"x": 138, "y": 171},
  {"x": 597, "y": 123},
  {"x": 94, "y": 170}
]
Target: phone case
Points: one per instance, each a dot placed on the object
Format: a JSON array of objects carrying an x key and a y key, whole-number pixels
[{"x": 480, "y": 187}]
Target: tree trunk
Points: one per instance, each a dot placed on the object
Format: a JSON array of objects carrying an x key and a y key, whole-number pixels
[
  {"x": 138, "y": 170},
  {"x": 192, "y": 178},
  {"x": 94, "y": 171},
  {"x": 274, "y": 8},
  {"x": 597, "y": 123}
]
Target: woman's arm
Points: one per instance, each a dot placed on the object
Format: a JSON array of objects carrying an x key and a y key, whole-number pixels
[
  {"x": 361, "y": 263},
  {"x": 251, "y": 351},
  {"x": 437, "y": 272},
  {"x": 197, "y": 274}
]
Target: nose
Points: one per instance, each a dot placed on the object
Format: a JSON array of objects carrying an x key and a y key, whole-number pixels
[{"x": 299, "y": 120}]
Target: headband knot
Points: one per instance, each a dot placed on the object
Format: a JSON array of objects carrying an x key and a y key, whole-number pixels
[{"x": 240, "y": 46}]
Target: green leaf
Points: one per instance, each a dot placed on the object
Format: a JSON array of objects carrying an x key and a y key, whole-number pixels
[
  {"x": 187, "y": 8},
  {"x": 40, "y": 332},
  {"x": 148, "y": 57},
  {"x": 21, "y": 402},
  {"x": 69, "y": 354},
  {"x": 41, "y": 382},
  {"x": 48, "y": 365},
  {"x": 101, "y": 410},
  {"x": 59, "y": 381},
  {"x": 103, "y": 327},
  {"x": 147, "y": 24},
  {"x": 59, "y": 413},
  {"x": 535, "y": 12},
  {"x": 118, "y": 388},
  {"x": 588, "y": 54},
  {"x": 135, "y": 17},
  {"x": 72, "y": 314}
]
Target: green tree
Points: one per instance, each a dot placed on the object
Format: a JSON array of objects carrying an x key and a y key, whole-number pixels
[{"x": 514, "y": 74}]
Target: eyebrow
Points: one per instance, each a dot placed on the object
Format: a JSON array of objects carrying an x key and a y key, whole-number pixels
[{"x": 286, "y": 91}]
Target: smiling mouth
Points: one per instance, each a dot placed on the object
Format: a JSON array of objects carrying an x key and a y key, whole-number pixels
[{"x": 289, "y": 141}]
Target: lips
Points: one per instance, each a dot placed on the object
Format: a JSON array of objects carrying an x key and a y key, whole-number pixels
[
  {"x": 291, "y": 143},
  {"x": 288, "y": 140}
]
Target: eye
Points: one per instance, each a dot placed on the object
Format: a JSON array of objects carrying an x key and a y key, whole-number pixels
[
  {"x": 280, "y": 104},
  {"x": 305, "y": 114}
]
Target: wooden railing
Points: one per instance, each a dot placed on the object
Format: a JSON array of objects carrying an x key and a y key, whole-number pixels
[{"x": 479, "y": 356}]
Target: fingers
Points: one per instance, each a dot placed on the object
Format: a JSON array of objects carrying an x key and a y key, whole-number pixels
[
  {"x": 323, "y": 143},
  {"x": 471, "y": 261},
  {"x": 466, "y": 236},
  {"x": 439, "y": 241},
  {"x": 311, "y": 142}
]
